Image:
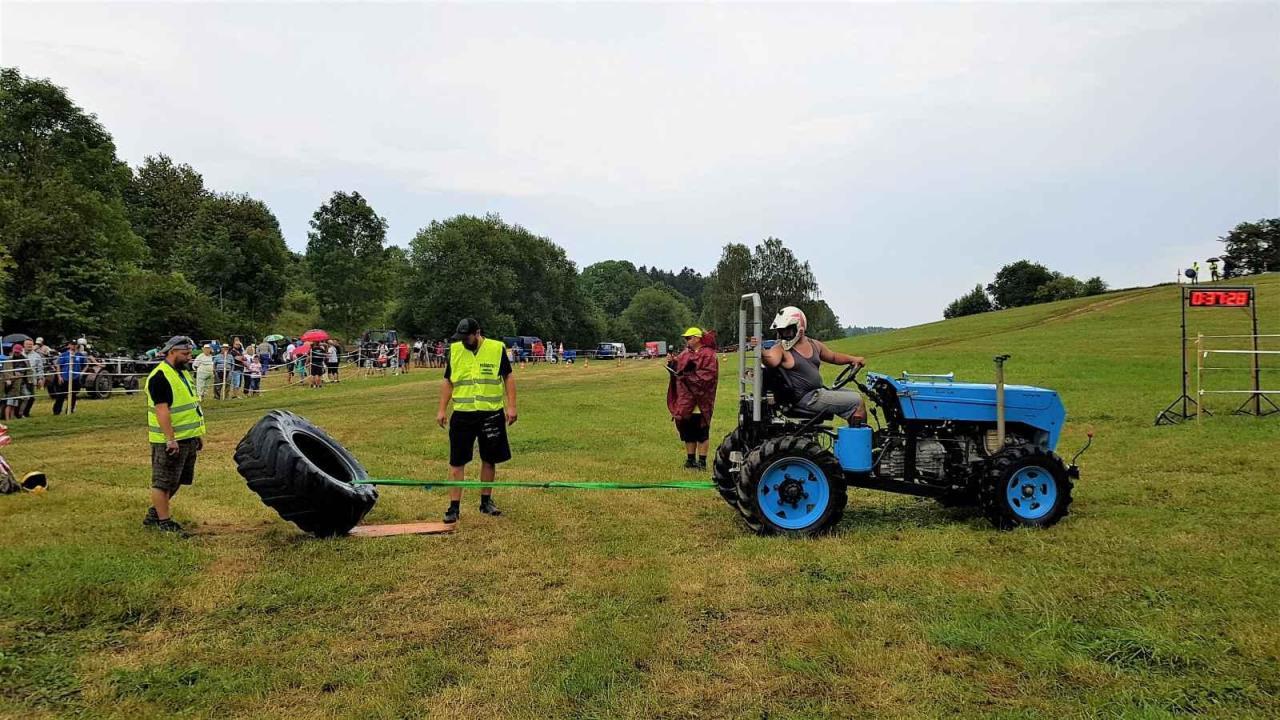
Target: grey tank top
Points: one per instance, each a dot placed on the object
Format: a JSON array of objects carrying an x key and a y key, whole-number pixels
[{"x": 804, "y": 376}]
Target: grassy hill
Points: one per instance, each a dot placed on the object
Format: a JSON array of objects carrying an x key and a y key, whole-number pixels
[{"x": 1156, "y": 597}]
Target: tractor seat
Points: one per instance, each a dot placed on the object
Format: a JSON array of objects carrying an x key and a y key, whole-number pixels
[{"x": 775, "y": 382}]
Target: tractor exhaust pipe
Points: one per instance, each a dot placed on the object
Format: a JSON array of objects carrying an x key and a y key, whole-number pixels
[{"x": 1000, "y": 359}]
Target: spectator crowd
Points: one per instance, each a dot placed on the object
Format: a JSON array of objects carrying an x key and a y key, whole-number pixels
[
  {"x": 223, "y": 369},
  {"x": 28, "y": 366}
]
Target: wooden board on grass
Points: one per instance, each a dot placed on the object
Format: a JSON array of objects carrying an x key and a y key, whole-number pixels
[{"x": 425, "y": 528}]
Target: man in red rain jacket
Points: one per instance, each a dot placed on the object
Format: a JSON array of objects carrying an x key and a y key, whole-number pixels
[{"x": 691, "y": 396}]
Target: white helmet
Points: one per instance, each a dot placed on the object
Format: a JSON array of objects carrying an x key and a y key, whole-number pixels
[{"x": 791, "y": 324}]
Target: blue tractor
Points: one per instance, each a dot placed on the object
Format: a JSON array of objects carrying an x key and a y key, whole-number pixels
[{"x": 787, "y": 470}]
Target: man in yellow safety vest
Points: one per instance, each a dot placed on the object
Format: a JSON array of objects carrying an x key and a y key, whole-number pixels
[
  {"x": 175, "y": 427},
  {"x": 477, "y": 379}
]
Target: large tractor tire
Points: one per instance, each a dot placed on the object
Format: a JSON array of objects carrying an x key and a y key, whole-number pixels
[
  {"x": 791, "y": 486},
  {"x": 305, "y": 475},
  {"x": 1025, "y": 486},
  {"x": 130, "y": 384},
  {"x": 721, "y": 468}
]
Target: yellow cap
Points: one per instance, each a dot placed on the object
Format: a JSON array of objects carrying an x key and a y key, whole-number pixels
[{"x": 692, "y": 332}]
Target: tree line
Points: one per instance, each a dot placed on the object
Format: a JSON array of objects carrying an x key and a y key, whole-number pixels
[
  {"x": 88, "y": 246},
  {"x": 128, "y": 256},
  {"x": 1022, "y": 283},
  {"x": 1251, "y": 247}
]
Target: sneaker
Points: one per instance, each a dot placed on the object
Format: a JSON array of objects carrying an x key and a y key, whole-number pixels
[
  {"x": 151, "y": 519},
  {"x": 702, "y": 464},
  {"x": 690, "y": 464},
  {"x": 170, "y": 526},
  {"x": 488, "y": 508},
  {"x": 450, "y": 516}
]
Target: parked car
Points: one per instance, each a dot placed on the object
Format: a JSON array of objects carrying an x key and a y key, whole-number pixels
[{"x": 611, "y": 350}]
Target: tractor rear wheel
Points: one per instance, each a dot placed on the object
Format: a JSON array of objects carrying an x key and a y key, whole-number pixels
[
  {"x": 1025, "y": 486},
  {"x": 791, "y": 486},
  {"x": 305, "y": 475},
  {"x": 722, "y": 468}
]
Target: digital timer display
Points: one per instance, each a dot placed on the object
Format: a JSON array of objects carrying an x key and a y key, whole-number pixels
[{"x": 1220, "y": 298}]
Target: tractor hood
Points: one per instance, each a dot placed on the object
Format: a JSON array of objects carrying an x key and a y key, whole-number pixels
[{"x": 1037, "y": 408}]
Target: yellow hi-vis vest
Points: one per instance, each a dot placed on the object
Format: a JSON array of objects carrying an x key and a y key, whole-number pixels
[
  {"x": 476, "y": 384},
  {"x": 184, "y": 412}
]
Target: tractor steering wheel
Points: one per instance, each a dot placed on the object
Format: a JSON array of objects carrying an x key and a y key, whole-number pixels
[{"x": 847, "y": 375}]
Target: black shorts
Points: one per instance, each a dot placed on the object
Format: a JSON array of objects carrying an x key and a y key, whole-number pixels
[
  {"x": 487, "y": 428},
  {"x": 692, "y": 430},
  {"x": 168, "y": 472}
]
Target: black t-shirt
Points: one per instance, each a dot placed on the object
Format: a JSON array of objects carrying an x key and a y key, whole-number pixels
[
  {"x": 503, "y": 370},
  {"x": 318, "y": 355},
  {"x": 159, "y": 389}
]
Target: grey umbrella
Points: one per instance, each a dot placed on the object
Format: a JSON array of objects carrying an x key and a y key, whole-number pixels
[{"x": 15, "y": 338}]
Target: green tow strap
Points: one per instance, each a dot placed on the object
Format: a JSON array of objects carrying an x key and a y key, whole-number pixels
[{"x": 572, "y": 485}]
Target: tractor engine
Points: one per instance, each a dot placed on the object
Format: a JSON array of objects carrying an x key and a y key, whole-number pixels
[{"x": 930, "y": 459}]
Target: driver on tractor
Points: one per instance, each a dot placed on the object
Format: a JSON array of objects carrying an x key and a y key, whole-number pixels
[{"x": 800, "y": 357}]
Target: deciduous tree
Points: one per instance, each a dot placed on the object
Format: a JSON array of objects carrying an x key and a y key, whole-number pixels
[
  {"x": 159, "y": 305},
  {"x": 238, "y": 256},
  {"x": 971, "y": 303},
  {"x": 348, "y": 262},
  {"x": 780, "y": 277},
  {"x": 654, "y": 314},
  {"x": 1254, "y": 247},
  {"x": 823, "y": 323},
  {"x": 163, "y": 199},
  {"x": 611, "y": 284},
  {"x": 1016, "y": 283},
  {"x": 1061, "y": 287},
  {"x": 67, "y": 243},
  {"x": 725, "y": 287},
  {"x": 484, "y": 268}
]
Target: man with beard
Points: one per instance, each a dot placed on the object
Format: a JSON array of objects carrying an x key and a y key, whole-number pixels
[
  {"x": 175, "y": 428},
  {"x": 477, "y": 378}
]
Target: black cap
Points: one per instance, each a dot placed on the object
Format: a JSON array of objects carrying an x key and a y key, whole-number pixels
[{"x": 466, "y": 327}]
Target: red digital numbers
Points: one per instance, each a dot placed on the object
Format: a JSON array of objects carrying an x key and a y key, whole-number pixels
[{"x": 1220, "y": 298}]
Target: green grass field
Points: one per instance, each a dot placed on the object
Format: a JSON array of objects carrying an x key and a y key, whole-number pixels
[{"x": 1158, "y": 596}]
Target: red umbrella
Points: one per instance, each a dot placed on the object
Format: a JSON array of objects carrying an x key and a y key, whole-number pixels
[{"x": 315, "y": 336}]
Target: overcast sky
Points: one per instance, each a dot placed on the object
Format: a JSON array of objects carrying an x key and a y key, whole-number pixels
[{"x": 907, "y": 151}]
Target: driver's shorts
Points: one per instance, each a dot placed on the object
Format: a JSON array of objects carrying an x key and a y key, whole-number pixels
[{"x": 841, "y": 403}]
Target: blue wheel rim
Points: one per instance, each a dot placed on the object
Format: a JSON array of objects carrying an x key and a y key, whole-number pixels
[
  {"x": 1032, "y": 492},
  {"x": 793, "y": 493}
]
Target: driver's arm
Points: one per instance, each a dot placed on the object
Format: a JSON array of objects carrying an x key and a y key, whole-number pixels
[
  {"x": 830, "y": 356},
  {"x": 772, "y": 357}
]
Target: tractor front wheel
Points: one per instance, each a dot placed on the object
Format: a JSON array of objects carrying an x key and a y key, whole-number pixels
[
  {"x": 791, "y": 486},
  {"x": 1026, "y": 486}
]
